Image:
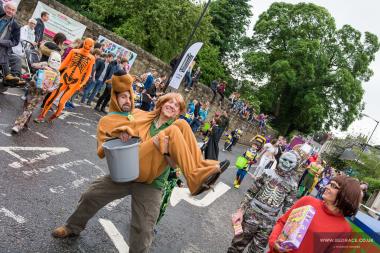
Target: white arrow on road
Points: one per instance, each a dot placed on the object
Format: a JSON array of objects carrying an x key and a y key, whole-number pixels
[
  {"x": 51, "y": 152},
  {"x": 12, "y": 215},
  {"x": 179, "y": 194},
  {"x": 114, "y": 234}
]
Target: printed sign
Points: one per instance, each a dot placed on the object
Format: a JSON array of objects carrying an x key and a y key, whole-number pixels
[
  {"x": 184, "y": 65},
  {"x": 117, "y": 50},
  {"x": 59, "y": 22}
]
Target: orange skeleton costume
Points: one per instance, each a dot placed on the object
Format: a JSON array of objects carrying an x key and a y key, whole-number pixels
[
  {"x": 75, "y": 71},
  {"x": 183, "y": 147}
]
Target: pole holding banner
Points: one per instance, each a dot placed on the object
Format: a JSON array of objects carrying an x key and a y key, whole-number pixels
[
  {"x": 184, "y": 64},
  {"x": 189, "y": 40}
]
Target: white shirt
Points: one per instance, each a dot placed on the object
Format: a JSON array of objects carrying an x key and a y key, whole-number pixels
[{"x": 26, "y": 33}]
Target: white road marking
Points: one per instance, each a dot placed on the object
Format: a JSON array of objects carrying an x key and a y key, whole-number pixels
[
  {"x": 57, "y": 189},
  {"x": 64, "y": 166},
  {"x": 3, "y": 132},
  {"x": 66, "y": 114},
  {"x": 12, "y": 215},
  {"x": 12, "y": 94},
  {"x": 78, "y": 182},
  {"x": 94, "y": 136},
  {"x": 22, "y": 161},
  {"x": 78, "y": 123},
  {"x": 43, "y": 136},
  {"x": 113, "y": 204},
  {"x": 179, "y": 194},
  {"x": 114, "y": 234}
]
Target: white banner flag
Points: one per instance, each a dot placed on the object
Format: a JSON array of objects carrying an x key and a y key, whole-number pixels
[{"x": 184, "y": 65}]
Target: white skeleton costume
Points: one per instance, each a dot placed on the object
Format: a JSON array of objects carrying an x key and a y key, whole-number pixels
[{"x": 272, "y": 192}]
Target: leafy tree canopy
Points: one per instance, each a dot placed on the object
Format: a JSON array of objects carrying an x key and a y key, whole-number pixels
[{"x": 312, "y": 71}]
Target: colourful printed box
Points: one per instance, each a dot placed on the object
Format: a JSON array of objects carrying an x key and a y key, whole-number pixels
[{"x": 296, "y": 227}]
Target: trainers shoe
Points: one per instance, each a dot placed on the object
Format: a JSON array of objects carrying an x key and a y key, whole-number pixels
[
  {"x": 23, "y": 97},
  {"x": 38, "y": 120},
  {"x": 63, "y": 232},
  {"x": 52, "y": 117},
  {"x": 237, "y": 186},
  {"x": 15, "y": 129}
]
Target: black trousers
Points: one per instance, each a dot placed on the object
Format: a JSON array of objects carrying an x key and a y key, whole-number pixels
[{"x": 105, "y": 97}]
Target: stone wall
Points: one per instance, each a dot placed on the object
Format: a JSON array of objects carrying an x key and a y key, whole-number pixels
[
  {"x": 144, "y": 59},
  {"x": 143, "y": 62}
]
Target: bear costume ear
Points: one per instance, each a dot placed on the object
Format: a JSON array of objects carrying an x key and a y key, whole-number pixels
[{"x": 121, "y": 81}]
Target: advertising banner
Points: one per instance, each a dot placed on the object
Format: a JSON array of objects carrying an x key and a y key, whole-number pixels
[
  {"x": 183, "y": 66},
  {"x": 59, "y": 22},
  {"x": 117, "y": 50},
  {"x": 16, "y": 2}
]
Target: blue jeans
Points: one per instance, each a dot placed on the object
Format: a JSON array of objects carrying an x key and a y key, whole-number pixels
[
  {"x": 93, "y": 86},
  {"x": 188, "y": 79}
]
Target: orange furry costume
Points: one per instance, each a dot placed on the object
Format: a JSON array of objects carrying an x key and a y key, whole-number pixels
[
  {"x": 75, "y": 71},
  {"x": 183, "y": 147}
]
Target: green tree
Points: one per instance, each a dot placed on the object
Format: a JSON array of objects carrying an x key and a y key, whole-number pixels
[
  {"x": 312, "y": 72},
  {"x": 161, "y": 27},
  {"x": 231, "y": 19}
]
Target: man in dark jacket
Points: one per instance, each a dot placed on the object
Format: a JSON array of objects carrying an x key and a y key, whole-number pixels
[
  {"x": 118, "y": 65},
  {"x": 9, "y": 37},
  {"x": 102, "y": 72},
  {"x": 40, "y": 27}
]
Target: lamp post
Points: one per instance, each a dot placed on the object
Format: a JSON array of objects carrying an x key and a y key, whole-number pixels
[
  {"x": 373, "y": 131},
  {"x": 196, "y": 25}
]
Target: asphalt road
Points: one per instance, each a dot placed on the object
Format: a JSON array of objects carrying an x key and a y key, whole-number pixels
[{"x": 44, "y": 170}]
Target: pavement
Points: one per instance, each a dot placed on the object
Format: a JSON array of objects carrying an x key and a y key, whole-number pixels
[{"x": 44, "y": 170}]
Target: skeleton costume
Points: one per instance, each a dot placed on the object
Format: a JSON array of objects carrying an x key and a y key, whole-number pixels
[
  {"x": 45, "y": 80},
  {"x": 272, "y": 192},
  {"x": 76, "y": 70}
]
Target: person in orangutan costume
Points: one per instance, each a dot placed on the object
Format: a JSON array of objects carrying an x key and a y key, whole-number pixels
[
  {"x": 75, "y": 71},
  {"x": 164, "y": 140}
]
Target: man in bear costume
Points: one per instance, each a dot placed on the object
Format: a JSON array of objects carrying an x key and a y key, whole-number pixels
[{"x": 171, "y": 140}]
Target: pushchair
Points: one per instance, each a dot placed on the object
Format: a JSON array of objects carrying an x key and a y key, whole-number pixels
[{"x": 32, "y": 55}]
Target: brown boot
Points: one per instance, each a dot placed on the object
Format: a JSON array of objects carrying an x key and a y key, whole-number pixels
[{"x": 63, "y": 232}]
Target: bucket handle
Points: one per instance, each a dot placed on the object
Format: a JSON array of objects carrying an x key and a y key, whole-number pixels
[{"x": 115, "y": 138}]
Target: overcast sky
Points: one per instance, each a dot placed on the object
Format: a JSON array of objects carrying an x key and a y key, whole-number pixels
[{"x": 363, "y": 15}]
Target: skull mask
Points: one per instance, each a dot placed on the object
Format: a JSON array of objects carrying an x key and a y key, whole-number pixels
[
  {"x": 88, "y": 44},
  {"x": 54, "y": 61},
  {"x": 288, "y": 161}
]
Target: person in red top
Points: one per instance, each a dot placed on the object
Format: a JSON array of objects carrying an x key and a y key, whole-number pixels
[{"x": 328, "y": 229}]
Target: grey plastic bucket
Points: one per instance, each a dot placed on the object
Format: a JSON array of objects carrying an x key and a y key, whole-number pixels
[{"x": 122, "y": 159}]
